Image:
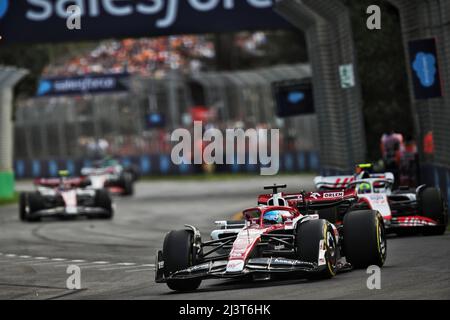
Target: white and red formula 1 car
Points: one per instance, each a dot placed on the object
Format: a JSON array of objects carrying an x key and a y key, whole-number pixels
[
  {"x": 64, "y": 198},
  {"x": 282, "y": 235},
  {"x": 111, "y": 175},
  {"x": 404, "y": 210}
]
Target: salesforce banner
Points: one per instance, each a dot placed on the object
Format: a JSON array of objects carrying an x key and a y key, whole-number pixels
[
  {"x": 56, "y": 20},
  {"x": 82, "y": 85}
]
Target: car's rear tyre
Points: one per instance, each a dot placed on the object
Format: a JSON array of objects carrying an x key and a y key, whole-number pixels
[
  {"x": 310, "y": 236},
  {"x": 364, "y": 238},
  {"x": 178, "y": 254},
  {"x": 34, "y": 202},
  {"x": 127, "y": 184},
  {"x": 433, "y": 206},
  {"x": 134, "y": 172},
  {"x": 103, "y": 200},
  {"x": 23, "y": 206}
]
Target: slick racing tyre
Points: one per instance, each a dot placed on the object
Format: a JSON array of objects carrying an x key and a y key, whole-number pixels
[
  {"x": 364, "y": 238},
  {"x": 103, "y": 200},
  {"x": 310, "y": 237},
  {"x": 23, "y": 206},
  {"x": 30, "y": 202},
  {"x": 127, "y": 184},
  {"x": 178, "y": 254},
  {"x": 433, "y": 206}
]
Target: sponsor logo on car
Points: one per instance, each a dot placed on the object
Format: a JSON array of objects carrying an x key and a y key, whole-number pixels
[
  {"x": 329, "y": 195},
  {"x": 315, "y": 195},
  {"x": 235, "y": 265},
  {"x": 286, "y": 261},
  {"x": 198, "y": 267}
]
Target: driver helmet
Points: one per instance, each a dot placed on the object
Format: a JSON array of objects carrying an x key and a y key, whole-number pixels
[
  {"x": 272, "y": 217},
  {"x": 364, "y": 188}
]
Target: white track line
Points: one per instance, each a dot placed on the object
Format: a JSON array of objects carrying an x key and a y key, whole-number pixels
[
  {"x": 32, "y": 262},
  {"x": 13, "y": 262},
  {"x": 13, "y": 259},
  {"x": 141, "y": 270},
  {"x": 92, "y": 266},
  {"x": 58, "y": 259},
  {"x": 46, "y": 262},
  {"x": 75, "y": 262},
  {"x": 38, "y": 261},
  {"x": 119, "y": 267}
]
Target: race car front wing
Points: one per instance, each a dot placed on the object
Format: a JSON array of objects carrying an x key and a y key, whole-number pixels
[
  {"x": 63, "y": 211},
  {"x": 218, "y": 269}
]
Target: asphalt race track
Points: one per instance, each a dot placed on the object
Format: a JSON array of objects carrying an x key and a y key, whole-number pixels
[{"x": 117, "y": 257}]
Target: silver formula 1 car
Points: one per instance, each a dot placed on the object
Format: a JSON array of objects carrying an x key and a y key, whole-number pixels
[{"x": 282, "y": 235}]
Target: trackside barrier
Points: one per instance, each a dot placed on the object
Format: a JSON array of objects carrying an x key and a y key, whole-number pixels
[{"x": 300, "y": 161}]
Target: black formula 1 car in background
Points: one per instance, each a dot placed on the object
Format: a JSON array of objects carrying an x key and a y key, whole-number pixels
[{"x": 282, "y": 235}]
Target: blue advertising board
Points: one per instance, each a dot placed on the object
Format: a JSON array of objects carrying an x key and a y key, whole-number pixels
[
  {"x": 47, "y": 20},
  {"x": 82, "y": 84},
  {"x": 424, "y": 65}
]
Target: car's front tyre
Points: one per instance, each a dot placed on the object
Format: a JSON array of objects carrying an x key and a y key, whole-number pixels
[
  {"x": 178, "y": 254},
  {"x": 313, "y": 236},
  {"x": 30, "y": 202}
]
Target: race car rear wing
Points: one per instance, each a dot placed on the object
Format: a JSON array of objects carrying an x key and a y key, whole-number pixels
[
  {"x": 96, "y": 171},
  {"x": 314, "y": 200},
  {"x": 341, "y": 182},
  {"x": 332, "y": 182},
  {"x": 55, "y": 182}
]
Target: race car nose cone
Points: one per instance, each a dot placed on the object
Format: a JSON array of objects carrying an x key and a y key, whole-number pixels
[{"x": 235, "y": 266}]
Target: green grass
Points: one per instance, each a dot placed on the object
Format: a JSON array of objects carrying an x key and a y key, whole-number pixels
[
  {"x": 215, "y": 176},
  {"x": 14, "y": 199}
]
